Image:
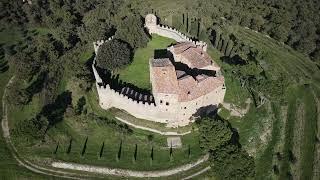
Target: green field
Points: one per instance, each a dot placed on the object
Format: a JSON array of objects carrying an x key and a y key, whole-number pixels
[{"x": 137, "y": 73}]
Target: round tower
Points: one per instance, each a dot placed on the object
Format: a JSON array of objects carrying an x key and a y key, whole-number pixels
[{"x": 151, "y": 22}]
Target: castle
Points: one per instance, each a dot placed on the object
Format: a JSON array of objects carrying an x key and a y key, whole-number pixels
[{"x": 182, "y": 83}]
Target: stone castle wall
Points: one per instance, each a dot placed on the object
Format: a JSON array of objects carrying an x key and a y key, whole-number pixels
[
  {"x": 172, "y": 33},
  {"x": 141, "y": 109},
  {"x": 145, "y": 106},
  {"x": 135, "y": 103}
]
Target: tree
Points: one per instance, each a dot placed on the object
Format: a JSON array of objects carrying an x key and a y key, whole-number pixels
[
  {"x": 114, "y": 54},
  {"x": 31, "y": 129},
  {"x": 96, "y": 25},
  {"x": 232, "y": 162},
  {"x": 131, "y": 30},
  {"x": 214, "y": 133},
  {"x": 80, "y": 105},
  {"x": 95, "y": 31}
]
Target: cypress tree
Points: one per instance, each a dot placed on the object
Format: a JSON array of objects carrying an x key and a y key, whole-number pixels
[
  {"x": 171, "y": 152},
  {"x": 135, "y": 153},
  {"x": 56, "y": 150},
  {"x": 119, "y": 152},
  {"x": 84, "y": 147},
  {"x": 151, "y": 156},
  {"x": 183, "y": 18},
  {"x": 229, "y": 47},
  {"x": 69, "y": 147},
  {"x": 224, "y": 45},
  {"x": 101, "y": 150},
  {"x": 187, "y": 23}
]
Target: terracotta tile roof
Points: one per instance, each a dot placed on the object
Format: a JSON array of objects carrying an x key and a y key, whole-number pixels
[
  {"x": 180, "y": 73},
  {"x": 195, "y": 56},
  {"x": 187, "y": 83},
  {"x": 164, "y": 62},
  {"x": 169, "y": 81},
  {"x": 181, "y": 47},
  {"x": 164, "y": 76},
  {"x": 203, "y": 87}
]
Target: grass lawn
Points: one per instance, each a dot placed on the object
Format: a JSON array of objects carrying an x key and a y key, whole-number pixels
[
  {"x": 78, "y": 128},
  {"x": 138, "y": 72},
  {"x": 291, "y": 116},
  {"x": 281, "y": 58},
  {"x": 308, "y": 138},
  {"x": 264, "y": 160}
]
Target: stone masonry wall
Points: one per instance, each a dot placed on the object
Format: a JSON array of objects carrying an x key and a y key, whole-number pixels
[
  {"x": 144, "y": 106},
  {"x": 172, "y": 33}
]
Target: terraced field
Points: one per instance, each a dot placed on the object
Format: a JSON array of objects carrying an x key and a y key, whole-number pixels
[{"x": 290, "y": 137}]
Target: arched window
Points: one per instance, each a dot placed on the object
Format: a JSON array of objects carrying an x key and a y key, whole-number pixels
[{"x": 167, "y": 103}]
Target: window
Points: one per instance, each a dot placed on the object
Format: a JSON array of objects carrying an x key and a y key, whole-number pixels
[
  {"x": 160, "y": 101},
  {"x": 167, "y": 103},
  {"x": 185, "y": 107}
]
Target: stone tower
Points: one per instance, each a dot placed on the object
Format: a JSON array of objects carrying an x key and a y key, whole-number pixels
[{"x": 151, "y": 23}]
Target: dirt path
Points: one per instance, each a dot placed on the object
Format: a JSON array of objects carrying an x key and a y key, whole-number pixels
[
  {"x": 198, "y": 173},
  {"x": 165, "y": 133},
  {"x": 87, "y": 168},
  {"x": 125, "y": 172}
]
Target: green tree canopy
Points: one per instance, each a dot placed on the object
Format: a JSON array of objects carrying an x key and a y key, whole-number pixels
[
  {"x": 132, "y": 31},
  {"x": 232, "y": 162},
  {"x": 214, "y": 133},
  {"x": 114, "y": 54}
]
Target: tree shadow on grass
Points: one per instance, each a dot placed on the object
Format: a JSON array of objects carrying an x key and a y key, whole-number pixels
[{"x": 55, "y": 111}]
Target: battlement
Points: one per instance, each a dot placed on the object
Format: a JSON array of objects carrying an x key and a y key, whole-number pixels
[
  {"x": 166, "y": 31},
  {"x": 115, "y": 93},
  {"x": 128, "y": 93}
]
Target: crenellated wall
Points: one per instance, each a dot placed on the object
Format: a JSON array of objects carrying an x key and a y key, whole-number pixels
[
  {"x": 143, "y": 106},
  {"x": 166, "y": 31},
  {"x": 97, "y": 44},
  {"x": 141, "y": 109}
]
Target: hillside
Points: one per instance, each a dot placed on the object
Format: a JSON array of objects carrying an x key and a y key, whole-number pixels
[{"x": 268, "y": 53}]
